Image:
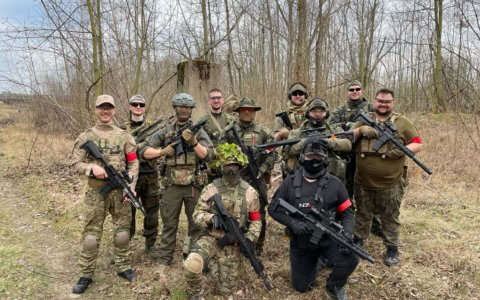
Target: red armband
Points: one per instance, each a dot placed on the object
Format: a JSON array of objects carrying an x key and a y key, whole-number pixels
[
  {"x": 254, "y": 215},
  {"x": 346, "y": 204},
  {"x": 131, "y": 156},
  {"x": 416, "y": 140}
]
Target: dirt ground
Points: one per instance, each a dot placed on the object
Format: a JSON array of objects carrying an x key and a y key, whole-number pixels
[{"x": 40, "y": 232}]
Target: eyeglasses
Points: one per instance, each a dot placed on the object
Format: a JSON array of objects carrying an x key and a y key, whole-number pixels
[
  {"x": 137, "y": 104},
  {"x": 384, "y": 102},
  {"x": 354, "y": 90},
  {"x": 298, "y": 93},
  {"x": 216, "y": 98}
]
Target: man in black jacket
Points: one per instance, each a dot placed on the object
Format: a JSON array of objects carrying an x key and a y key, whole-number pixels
[{"x": 312, "y": 186}]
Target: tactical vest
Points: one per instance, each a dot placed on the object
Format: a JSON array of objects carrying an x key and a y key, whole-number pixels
[
  {"x": 316, "y": 200},
  {"x": 365, "y": 147},
  {"x": 346, "y": 113},
  {"x": 234, "y": 199},
  {"x": 112, "y": 147},
  {"x": 184, "y": 169},
  {"x": 296, "y": 118}
]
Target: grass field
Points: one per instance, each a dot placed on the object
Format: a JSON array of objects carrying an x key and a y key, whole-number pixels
[{"x": 440, "y": 251}]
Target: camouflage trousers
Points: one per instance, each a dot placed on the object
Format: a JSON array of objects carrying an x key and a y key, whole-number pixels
[
  {"x": 170, "y": 207},
  {"x": 224, "y": 267},
  {"x": 94, "y": 211},
  {"x": 148, "y": 190},
  {"x": 386, "y": 203}
]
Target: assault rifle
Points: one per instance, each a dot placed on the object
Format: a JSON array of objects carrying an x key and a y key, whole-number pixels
[
  {"x": 179, "y": 143},
  {"x": 285, "y": 118},
  {"x": 114, "y": 179},
  {"x": 233, "y": 229},
  {"x": 273, "y": 145},
  {"x": 141, "y": 135},
  {"x": 252, "y": 168},
  {"x": 320, "y": 223},
  {"x": 387, "y": 133}
]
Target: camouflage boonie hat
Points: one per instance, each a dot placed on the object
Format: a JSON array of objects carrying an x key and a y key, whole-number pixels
[
  {"x": 354, "y": 82},
  {"x": 183, "y": 99},
  {"x": 247, "y": 102}
]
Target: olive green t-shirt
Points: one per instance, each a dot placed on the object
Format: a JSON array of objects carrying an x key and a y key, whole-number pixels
[{"x": 375, "y": 170}]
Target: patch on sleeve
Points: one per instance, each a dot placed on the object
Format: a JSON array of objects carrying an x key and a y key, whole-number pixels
[{"x": 416, "y": 140}]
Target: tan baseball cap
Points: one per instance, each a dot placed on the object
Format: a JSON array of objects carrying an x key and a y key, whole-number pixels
[{"x": 104, "y": 99}]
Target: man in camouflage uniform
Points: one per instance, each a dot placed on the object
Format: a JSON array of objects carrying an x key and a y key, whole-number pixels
[
  {"x": 316, "y": 124},
  {"x": 213, "y": 247},
  {"x": 217, "y": 121},
  {"x": 119, "y": 150},
  {"x": 183, "y": 175},
  {"x": 148, "y": 187},
  {"x": 343, "y": 116},
  {"x": 297, "y": 95},
  {"x": 252, "y": 134},
  {"x": 379, "y": 177}
]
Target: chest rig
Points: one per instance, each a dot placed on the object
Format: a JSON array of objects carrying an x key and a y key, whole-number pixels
[
  {"x": 234, "y": 199},
  {"x": 180, "y": 169},
  {"x": 365, "y": 146},
  {"x": 111, "y": 145}
]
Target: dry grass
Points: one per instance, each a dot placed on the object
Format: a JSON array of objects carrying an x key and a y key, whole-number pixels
[{"x": 440, "y": 241}]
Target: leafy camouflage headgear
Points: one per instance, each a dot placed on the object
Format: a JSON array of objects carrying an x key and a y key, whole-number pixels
[
  {"x": 247, "y": 102},
  {"x": 226, "y": 154},
  {"x": 183, "y": 99},
  {"x": 297, "y": 86},
  {"x": 317, "y": 102}
]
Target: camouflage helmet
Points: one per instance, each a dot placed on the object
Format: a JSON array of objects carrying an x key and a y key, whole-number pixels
[
  {"x": 317, "y": 102},
  {"x": 297, "y": 86},
  {"x": 247, "y": 102},
  {"x": 226, "y": 154},
  {"x": 183, "y": 99}
]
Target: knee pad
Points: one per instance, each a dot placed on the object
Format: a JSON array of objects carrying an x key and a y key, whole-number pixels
[
  {"x": 90, "y": 243},
  {"x": 122, "y": 238},
  {"x": 194, "y": 263}
]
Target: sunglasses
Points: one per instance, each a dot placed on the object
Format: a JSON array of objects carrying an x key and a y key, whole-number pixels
[
  {"x": 137, "y": 104},
  {"x": 298, "y": 93},
  {"x": 355, "y": 90}
]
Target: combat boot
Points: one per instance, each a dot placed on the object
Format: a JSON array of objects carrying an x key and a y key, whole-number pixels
[
  {"x": 336, "y": 293},
  {"x": 128, "y": 275},
  {"x": 81, "y": 285},
  {"x": 392, "y": 256}
]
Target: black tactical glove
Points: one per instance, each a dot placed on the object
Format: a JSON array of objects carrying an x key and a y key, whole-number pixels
[
  {"x": 349, "y": 237},
  {"x": 300, "y": 228},
  {"x": 227, "y": 239},
  {"x": 217, "y": 222}
]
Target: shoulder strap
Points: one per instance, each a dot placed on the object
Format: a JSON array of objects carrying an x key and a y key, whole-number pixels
[
  {"x": 215, "y": 122},
  {"x": 297, "y": 183},
  {"x": 321, "y": 187}
]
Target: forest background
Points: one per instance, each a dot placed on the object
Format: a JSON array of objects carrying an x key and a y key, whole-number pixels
[{"x": 55, "y": 64}]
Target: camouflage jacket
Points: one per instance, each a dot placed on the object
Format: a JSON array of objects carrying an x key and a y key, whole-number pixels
[
  {"x": 296, "y": 115},
  {"x": 117, "y": 146},
  {"x": 241, "y": 201},
  {"x": 216, "y": 124},
  {"x": 344, "y": 114}
]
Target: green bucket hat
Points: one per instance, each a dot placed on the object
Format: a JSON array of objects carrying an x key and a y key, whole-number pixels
[{"x": 247, "y": 102}]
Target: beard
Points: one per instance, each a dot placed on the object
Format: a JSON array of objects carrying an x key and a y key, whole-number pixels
[{"x": 382, "y": 113}]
